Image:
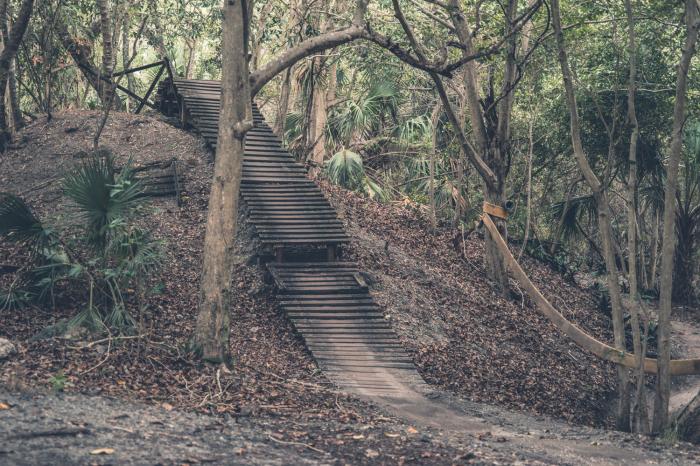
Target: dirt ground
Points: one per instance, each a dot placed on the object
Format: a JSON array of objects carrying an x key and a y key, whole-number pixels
[
  {"x": 152, "y": 403},
  {"x": 43, "y": 428}
]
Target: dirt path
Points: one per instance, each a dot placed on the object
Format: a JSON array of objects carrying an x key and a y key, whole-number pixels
[
  {"x": 535, "y": 439},
  {"x": 687, "y": 334},
  {"x": 71, "y": 429}
]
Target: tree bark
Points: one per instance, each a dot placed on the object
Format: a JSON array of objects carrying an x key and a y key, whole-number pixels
[
  {"x": 623, "y": 411},
  {"x": 639, "y": 414},
  {"x": 15, "y": 111},
  {"x": 81, "y": 56},
  {"x": 663, "y": 379},
  {"x": 8, "y": 54},
  {"x": 107, "y": 50},
  {"x": 283, "y": 104},
  {"x": 528, "y": 206},
  {"x": 211, "y": 335},
  {"x": 434, "y": 119},
  {"x": 126, "y": 52}
]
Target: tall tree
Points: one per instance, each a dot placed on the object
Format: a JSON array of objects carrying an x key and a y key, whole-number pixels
[
  {"x": 663, "y": 378},
  {"x": 211, "y": 335},
  {"x": 598, "y": 189},
  {"x": 639, "y": 419},
  {"x": 489, "y": 115},
  {"x": 235, "y": 119}
]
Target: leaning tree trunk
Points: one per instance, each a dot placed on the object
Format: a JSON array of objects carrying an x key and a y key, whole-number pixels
[
  {"x": 235, "y": 119},
  {"x": 7, "y": 56}
]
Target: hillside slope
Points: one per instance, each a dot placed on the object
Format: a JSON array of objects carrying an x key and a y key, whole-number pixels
[{"x": 465, "y": 337}]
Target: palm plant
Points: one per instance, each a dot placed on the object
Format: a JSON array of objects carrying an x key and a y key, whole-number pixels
[
  {"x": 347, "y": 170},
  {"x": 105, "y": 201},
  {"x": 101, "y": 197},
  {"x": 19, "y": 224},
  {"x": 688, "y": 215}
]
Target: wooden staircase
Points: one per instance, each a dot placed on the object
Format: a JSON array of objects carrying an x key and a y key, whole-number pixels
[{"x": 328, "y": 302}]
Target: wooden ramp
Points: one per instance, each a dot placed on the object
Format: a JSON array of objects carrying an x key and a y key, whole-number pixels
[
  {"x": 331, "y": 308},
  {"x": 328, "y": 302}
]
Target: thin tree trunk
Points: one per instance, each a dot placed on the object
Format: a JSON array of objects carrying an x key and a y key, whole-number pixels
[
  {"x": 126, "y": 52},
  {"x": 191, "y": 48},
  {"x": 654, "y": 256},
  {"x": 211, "y": 335},
  {"x": 13, "y": 100},
  {"x": 663, "y": 379},
  {"x": 283, "y": 104},
  {"x": 528, "y": 214},
  {"x": 435, "y": 118},
  {"x": 107, "y": 52},
  {"x": 639, "y": 415},
  {"x": 9, "y": 52},
  {"x": 623, "y": 411}
]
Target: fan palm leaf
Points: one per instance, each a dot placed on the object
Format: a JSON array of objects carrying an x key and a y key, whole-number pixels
[
  {"x": 345, "y": 169},
  {"x": 101, "y": 197}
]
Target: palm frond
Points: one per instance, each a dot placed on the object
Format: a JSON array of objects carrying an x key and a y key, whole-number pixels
[
  {"x": 100, "y": 196},
  {"x": 19, "y": 224},
  {"x": 414, "y": 130},
  {"x": 345, "y": 169},
  {"x": 577, "y": 208}
]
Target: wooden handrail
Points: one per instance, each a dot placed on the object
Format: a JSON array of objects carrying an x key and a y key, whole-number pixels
[{"x": 581, "y": 338}]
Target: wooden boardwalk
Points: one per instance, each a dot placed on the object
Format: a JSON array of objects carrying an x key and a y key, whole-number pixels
[{"x": 328, "y": 303}]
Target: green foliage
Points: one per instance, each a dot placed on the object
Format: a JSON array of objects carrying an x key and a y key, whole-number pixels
[
  {"x": 346, "y": 169},
  {"x": 101, "y": 197},
  {"x": 58, "y": 381},
  {"x": 18, "y": 223},
  {"x": 115, "y": 256}
]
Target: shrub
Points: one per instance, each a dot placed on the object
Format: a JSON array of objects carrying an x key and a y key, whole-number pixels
[{"x": 112, "y": 261}]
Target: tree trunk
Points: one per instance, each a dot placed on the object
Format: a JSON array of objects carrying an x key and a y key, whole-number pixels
[
  {"x": 15, "y": 111},
  {"x": 191, "y": 48},
  {"x": 623, "y": 420},
  {"x": 81, "y": 56},
  {"x": 639, "y": 415},
  {"x": 663, "y": 378},
  {"x": 654, "y": 256},
  {"x": 435, "y": 119},
  {"x": 126, "y": 52},
  {"x": 212, "y": 328},
  {"x": 283, "y": 104},
  {"x": 9, "y": 52},
  {"x": 107, "y": 51},
  {"x": 528, "y": 214}
]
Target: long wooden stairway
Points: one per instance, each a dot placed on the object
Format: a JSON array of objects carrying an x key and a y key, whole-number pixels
[{"x": 327, "y": 301}]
